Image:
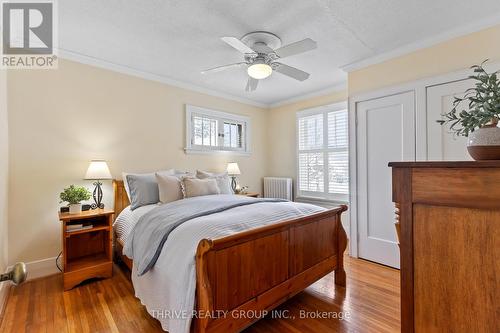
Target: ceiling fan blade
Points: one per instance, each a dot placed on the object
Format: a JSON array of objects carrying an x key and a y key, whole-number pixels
[
  {"x": 296, "y": 48},
  {"x": 292, "y": 72},
  {"x": 251, "y": 84},
  {"x": 237, "y": 44},
  {"x": 222, "y": 68}
]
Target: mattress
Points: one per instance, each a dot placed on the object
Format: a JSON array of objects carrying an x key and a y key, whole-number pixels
[{"x": 127, "y": 219}]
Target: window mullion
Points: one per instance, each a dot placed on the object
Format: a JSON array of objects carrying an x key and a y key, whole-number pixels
[{"x": 220, "y": 132}]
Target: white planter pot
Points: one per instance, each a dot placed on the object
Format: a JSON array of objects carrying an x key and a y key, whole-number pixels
[
  {"x": 484, "y": 143},
  {"x": 75, "y": 208}
]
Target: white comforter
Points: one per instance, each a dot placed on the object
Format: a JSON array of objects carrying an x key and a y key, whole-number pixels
[{"x": 168, "y": 289}]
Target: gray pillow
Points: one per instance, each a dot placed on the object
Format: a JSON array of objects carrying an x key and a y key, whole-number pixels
[
  {"x": 143, "y": 190},
  {"x": 223, "y": 181},
  {"x": 196, "y": 187},
  {"x": 125, "y": 174}
]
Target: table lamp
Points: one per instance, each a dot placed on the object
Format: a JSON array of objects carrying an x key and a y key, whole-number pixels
[
  {"x": 98, "y": 170},
  {"x": 233, "y": 170}
]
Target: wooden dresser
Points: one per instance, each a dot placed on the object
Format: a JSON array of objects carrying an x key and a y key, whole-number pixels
[{"x": 449, "y": 233}]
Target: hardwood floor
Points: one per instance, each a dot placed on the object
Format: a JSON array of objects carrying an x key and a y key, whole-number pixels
[{"x": 370, "y": 304}]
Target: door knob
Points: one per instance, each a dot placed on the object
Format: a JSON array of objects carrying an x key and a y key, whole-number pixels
[{"x": 17, "y": 275}]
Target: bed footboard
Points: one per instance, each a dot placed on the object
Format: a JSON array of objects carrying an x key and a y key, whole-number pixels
[{"x": 246, "y": 274}]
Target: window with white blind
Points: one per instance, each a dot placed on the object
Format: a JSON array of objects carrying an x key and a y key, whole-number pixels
[
  {"x": 323, "y": 153},
  {"x": 214, "y": 131}
]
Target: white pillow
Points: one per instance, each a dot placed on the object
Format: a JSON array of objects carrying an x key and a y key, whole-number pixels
[
  {"x": 169, "y": 186},
  {"x": 194, "y": 187},
  {"x": 223, "y": 181},
  {"x": 125, "y": 182}
]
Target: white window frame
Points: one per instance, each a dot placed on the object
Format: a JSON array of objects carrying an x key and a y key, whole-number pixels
[
  {"x": 191, "y": 148},
  {"x": 321, "y": 196}
]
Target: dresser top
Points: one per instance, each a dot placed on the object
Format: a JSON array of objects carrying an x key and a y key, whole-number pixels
[{"x": 447, "y": 164}]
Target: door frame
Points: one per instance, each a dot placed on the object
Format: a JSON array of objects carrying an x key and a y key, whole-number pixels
[{"x": 419, "y": 88}]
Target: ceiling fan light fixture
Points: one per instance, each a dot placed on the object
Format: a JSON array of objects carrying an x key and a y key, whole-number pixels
[{"x": 259, "y": 71}]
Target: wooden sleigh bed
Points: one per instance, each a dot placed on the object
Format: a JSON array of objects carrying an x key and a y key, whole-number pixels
[{"x": 258, "y": 269}]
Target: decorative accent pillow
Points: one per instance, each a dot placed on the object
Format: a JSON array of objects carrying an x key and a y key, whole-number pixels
[
  {"x": 125, "y": 174},
  {"x": 143, "y": 190},
  {"x": 169, "y": 186},
  {"x": 194, "y": 187},
  {"x": 223, "y": 181}
]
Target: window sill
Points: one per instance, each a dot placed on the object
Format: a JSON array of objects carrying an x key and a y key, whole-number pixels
[
  {"x": 190, "y": 151},
  {"x": 321, "y": 200}
]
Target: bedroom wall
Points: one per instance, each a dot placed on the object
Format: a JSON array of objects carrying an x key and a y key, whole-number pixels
[
  {"x": 4, "y": 157},
  {"x": 449, "y": 56},
  {"x": 61, "y": 119},
  {"x": 282, "y": 138}
]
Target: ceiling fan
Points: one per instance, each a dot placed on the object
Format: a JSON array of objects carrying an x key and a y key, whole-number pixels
[{"x": 262, "y": 50}]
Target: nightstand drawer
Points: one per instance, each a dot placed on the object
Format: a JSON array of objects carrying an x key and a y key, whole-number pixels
[{"x": 102, "y": 270}]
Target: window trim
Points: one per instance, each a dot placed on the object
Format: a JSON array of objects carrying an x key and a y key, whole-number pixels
[
  {"x": 321, "y": 196},
  {"x": 191, "y": 148}
]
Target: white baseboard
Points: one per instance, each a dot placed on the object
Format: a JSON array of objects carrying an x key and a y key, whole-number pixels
[{"x": 40, "y": 268}]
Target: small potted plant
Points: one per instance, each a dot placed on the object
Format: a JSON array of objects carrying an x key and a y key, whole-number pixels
[
  {"x": 74, "y": 195},
  {"x": 476, "y": 115}
]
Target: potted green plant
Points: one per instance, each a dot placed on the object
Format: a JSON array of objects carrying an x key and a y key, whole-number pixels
[
  {"x": 74, "y": 195},
  {"x": 476, "y": 115}
]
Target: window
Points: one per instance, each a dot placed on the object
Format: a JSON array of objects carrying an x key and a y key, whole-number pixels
[
  {"x": 213, "y": 131},
  {"x": 323, "y": 158}
]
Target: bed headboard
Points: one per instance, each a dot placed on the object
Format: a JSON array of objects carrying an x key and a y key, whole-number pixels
[{"x": 121, "y": 198}]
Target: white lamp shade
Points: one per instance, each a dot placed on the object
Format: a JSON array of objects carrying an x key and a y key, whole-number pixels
[
  {"x": 233, "y": 169},
  {"x": 98, "y": 170}
]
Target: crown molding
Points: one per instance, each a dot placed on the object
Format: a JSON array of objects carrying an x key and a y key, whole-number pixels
[
  {"x": 96, "y": 62},
  {"x": 335, "y": 89},
  {"x": 425, "y": 43}
]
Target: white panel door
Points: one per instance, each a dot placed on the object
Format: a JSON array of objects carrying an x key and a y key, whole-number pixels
[
  {"x": 386, "y": 132},
  {"x": 441, "y": 144}
]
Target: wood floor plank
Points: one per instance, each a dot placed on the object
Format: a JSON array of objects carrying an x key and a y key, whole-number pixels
[{"x": 371, "y": 302}]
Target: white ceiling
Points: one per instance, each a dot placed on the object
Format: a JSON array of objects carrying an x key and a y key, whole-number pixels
[{"x": 177, "y": 39}]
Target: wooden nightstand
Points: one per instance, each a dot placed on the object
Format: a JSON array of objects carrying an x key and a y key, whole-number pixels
[
  {"x": 87, "y": 253},
  {"x": 251, "y": 194}
]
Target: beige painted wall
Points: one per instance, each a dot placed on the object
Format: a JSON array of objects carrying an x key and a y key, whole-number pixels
[
  {"x": 4, "y": 162},
  {"x": 282, "y": 138},
  {"x": 453, "y": 55},
  {"x": 61, "y": 119}
]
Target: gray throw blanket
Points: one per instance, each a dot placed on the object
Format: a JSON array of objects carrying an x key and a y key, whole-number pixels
[{"x": 148, "y": 236}]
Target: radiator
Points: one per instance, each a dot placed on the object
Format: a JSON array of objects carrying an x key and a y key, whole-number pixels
[{"x": 277, "y": 187}]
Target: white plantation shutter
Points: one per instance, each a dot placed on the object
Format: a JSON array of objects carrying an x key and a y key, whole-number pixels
[
  {"x": 311, "y": 132},
  {"x": 233, "y": 135},
  {"x": 338, "y": 158},
  {"x": 337, "y": 129},
  {"x": 338, "y": 172},
  {"x": 323, "y": 158},
  {"x": 311, "y": 172}
]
